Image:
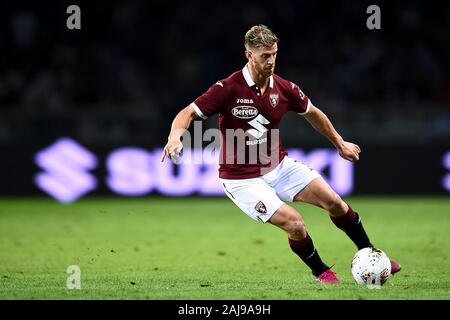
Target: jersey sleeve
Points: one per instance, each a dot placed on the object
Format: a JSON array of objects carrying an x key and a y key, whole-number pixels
[
  {"x": 299, "y": 102},
  {"x": 211, "y": 102}
]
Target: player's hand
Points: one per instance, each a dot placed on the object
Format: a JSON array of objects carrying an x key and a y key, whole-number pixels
[
  {"x": 349, "y": 151},
  {"x": 172, "y": 150}
]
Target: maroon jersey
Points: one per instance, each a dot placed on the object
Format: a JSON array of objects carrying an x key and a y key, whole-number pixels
[{"x": 243, "y": 109}]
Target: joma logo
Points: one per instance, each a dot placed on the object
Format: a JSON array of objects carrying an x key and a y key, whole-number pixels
[{"x": 244, "y": 101}]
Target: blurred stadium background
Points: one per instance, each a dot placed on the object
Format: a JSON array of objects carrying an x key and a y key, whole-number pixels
[
  {"x": 104, "y": 97},
  {"x": 120, "y": 80}
]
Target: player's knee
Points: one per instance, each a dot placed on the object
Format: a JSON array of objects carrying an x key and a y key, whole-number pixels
[
  {"x": 297, "y": 229},
  {"x": 334, "y": 204}
]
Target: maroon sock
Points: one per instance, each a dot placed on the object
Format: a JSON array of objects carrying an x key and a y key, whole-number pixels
[
  {"x": 351, "y": 224},
  {"x": 348, "y": 218},
  {"x": 305, "y": 250}
]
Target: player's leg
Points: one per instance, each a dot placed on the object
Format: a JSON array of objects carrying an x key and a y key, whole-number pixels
[
  {"x": 259, "y": 201},
  {"x": 299, "y": 182},
  {"x": 319, "y": 193},
  {"x": 289, "y": 220}
]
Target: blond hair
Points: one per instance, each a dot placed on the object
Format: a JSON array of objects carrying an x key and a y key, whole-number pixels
[{"x": 259, "y": 36}]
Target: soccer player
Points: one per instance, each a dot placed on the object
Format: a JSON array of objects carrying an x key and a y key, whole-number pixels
[{"x": 253, "y": 101}]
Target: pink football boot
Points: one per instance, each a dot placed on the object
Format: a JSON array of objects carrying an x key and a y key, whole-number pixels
[
  {"x": 395, "y": 267},
  {"x": 328, "y": 277}
]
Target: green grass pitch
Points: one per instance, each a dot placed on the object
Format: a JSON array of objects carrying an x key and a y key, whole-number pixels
[{"x": 206, "y": 248}]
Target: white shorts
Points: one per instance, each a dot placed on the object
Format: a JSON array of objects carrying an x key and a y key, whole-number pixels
[{"x": 261, "y": 197}]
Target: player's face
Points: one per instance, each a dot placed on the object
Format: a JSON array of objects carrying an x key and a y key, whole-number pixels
[{"x": 263, "y": 60}]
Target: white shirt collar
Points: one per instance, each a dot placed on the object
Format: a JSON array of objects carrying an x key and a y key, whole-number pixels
[{"x": 249, "y": 79}]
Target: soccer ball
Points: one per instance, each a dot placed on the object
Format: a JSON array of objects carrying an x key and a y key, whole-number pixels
[{"x": 371, "y": 267}]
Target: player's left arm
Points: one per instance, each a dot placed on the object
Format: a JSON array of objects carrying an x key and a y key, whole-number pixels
[{"x": 320, "y": 122}]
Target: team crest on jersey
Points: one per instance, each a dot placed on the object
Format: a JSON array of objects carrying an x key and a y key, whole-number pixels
[
  {"x": 261, "y": 207},
  {"x": 274, "y": 99}
]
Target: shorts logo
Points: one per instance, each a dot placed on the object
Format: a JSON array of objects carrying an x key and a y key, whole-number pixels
[
  {"x": 244, "y": 112},
  {"x": 274, "y": 99},
  {"x": 261, "y": 208}
]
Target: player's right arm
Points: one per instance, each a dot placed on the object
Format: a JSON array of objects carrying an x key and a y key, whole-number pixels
[
  {"x": 208, "y": 104},
  {"x": 180, "y": 124}
]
